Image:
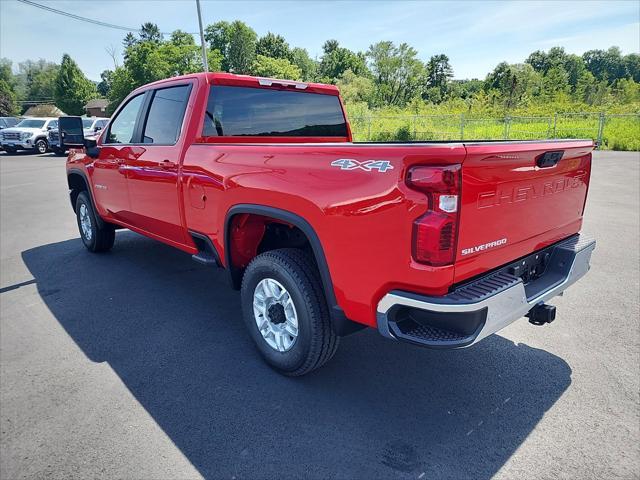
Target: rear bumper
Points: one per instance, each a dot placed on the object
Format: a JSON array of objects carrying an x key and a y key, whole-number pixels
[{"x": 480, "y": 308}]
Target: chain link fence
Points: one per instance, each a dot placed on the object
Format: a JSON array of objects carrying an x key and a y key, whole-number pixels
[{"x": 612, "y": 131}]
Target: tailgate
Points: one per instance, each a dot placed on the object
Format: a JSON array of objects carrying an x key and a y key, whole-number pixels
[{"x": 515, "y": 200}]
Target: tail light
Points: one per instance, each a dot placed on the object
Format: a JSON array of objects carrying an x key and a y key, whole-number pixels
[{"x": 435, "y": 233}]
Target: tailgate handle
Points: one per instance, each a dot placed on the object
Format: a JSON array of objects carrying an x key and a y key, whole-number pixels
[{"x": 549, "y": 159}]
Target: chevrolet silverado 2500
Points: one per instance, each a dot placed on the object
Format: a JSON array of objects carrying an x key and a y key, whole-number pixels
[{"x": 438, "y": 244}]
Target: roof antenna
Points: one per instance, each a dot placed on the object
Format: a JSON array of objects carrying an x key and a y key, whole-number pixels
[{"x": 204, "y": 45}]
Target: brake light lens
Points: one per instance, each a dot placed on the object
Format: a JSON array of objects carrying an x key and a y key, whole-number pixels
[{"x": 435, "y": 233}]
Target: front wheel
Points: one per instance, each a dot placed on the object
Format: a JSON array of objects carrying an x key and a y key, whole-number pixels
[
  {"x": 285, "y": 310},
  {"x": 95, "y": 237},
  {"x": 41, "y": 146}
]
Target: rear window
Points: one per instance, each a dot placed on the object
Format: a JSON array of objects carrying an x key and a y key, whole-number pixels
[{"x": 242, "y": 111}]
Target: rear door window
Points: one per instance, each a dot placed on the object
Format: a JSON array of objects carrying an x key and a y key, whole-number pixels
[
  {"x": 245, "y": 111},
  {"x": 166, "y": 113}
]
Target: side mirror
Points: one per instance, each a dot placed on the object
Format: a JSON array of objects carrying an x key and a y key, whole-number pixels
[
  {"x": 97, "y": 129},
  {"x": 92, "y": 147},
  {"x": 71, "y": 132}
]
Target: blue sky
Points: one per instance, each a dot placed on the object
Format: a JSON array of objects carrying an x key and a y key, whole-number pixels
[{"x": 475, "y": 35}]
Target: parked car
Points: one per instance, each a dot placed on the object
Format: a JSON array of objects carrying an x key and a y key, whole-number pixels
[
  {"x": 28, "y": 134},
  {"x": 7, "y": 122},
  {"x": 437, "y": 244},
  {"x": 92, "y": 126}
]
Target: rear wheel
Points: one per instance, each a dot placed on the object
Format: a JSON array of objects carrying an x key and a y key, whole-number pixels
[
  {"x": 41, "y": 146},
  {"x": 97, "y": 238},
  {"x": 286, "y": 313}
]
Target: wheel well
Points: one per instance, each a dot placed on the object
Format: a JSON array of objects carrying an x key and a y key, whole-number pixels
[
  {"x": 251, "y": 234},
  {"x": 254, "y": 229},
  {"x": 77, "y": 184}
]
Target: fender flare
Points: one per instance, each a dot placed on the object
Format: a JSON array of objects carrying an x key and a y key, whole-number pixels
[
  {"x": 342, "y": 325},
  {"x": 77, "y": 171}
]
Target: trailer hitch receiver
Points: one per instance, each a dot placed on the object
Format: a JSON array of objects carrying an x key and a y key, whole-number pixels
[{"x": 541, "y": 314}]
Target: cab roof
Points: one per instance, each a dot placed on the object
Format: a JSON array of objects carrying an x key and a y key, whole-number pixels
[{"x": 230, "y": 79}]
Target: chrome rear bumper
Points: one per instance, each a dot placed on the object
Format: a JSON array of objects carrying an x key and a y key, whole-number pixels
[{"x": 480, "y": 308}]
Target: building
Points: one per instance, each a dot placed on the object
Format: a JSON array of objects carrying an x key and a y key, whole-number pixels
[
  {"x": 97, "y": 107},
  {"x": 43, "y": 110}
]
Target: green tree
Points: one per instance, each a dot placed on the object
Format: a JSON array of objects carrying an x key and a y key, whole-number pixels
[
  {"x": 336, "y": 60},
  {"x": 236, "y": 43},
  {"x": 575, "y": 68},
  {"x": 308, "y": 67},
  {"x": 608, "y": 65},
  {"x": 627, "y": 91},
  {"x": 149, "y": 32},
  {"x": 396, "y": 71},
  {"x": 515, "y": 84},
  {"x": 8, "y": 96},
  {"x": 73, "y": 89},
  {"x": 8, "y": 106},
  {"x": 241, "y": 52},
  {"x": 439, "y": 73},
  {"x": 129, "y": 40},
  {"x": 276, "y": 68},
  {"x": 218, "y": 38},
  {"x": 555, "y": 82},
  {"x": 106, "y": 78},
  {"x": 632, "y": 64},
  {"x": 538, "y": 60},
  {"x": 356, "y": 89},
  {"x": 274, "y": 46},
  {"x": 122, "y": 84},
  {"x": 36, "y": 80}
]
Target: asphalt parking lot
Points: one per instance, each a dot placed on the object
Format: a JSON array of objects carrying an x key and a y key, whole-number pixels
[{"x": 135, "y": 364}]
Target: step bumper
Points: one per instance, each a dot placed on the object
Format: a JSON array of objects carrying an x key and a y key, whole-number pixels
[{"x": 484, "y": 306}]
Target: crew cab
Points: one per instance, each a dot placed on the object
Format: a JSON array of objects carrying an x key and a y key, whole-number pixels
[
  {"x": 438, "y": 244},
  {"x": 91, "y": 126},
  {"x": 29, "y": 134}
]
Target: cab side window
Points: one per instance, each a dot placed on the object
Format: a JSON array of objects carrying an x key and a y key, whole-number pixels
[
  {"x": 123, "y": 125},
  {"x": 166, "y": 112}
]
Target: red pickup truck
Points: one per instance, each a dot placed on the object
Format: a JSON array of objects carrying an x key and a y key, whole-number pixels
[{"x": 437, "y": 244}]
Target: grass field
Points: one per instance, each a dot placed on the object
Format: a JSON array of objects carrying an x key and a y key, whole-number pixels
[{"x": 614, "y": 132}]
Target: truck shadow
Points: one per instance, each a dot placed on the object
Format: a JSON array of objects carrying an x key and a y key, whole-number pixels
[{"x": 171, "y": 329}]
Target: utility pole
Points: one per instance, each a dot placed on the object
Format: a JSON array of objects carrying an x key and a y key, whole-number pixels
[{"x": 204, "y": 45}]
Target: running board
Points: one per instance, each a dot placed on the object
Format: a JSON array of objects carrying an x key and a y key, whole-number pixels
[
  {"x": 207, "y": 254},
  {"x": 205, "y": 258}
]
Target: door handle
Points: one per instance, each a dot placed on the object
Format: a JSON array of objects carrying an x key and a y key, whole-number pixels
[{"x": 167, "y": 164}]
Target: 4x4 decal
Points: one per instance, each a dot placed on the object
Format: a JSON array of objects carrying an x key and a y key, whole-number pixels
[{"x": 366, "y": 165}]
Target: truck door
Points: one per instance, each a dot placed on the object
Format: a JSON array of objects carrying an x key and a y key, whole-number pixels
[
  {"x": 109, "y": 176},
  {"x": 152, "y": 175}
]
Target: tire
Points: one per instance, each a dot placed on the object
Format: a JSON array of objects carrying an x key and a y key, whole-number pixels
[
  {"x": 295, "y": 272},
  {"x": 41, "y": 146},
  {"x": 96, "y": 238}
]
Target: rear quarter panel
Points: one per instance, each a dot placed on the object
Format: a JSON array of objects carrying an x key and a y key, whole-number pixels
[{"x": 362, "y": 218}]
